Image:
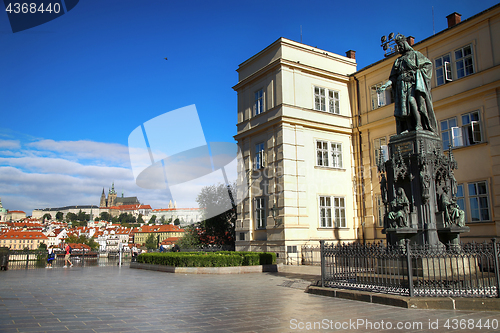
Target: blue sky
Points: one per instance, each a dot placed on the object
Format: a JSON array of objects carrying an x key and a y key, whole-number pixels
[{"x": 73, "y": 89}]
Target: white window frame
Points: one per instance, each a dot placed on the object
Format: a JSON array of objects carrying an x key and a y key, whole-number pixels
[
  {"x": 260, "y": 212},
  {"x": 481, "y": 199},
  {"x": 471, "y": 125},
  {"x": 322, "y": 153},
  {"x": 320, "y": 98},
  {"x": 325, "y": 212},
  {"x": 380, "y": 210},
  {"x": 336, "y": 152},
  {"x": 259, "y": 160},
  {"x": 329, "y": 154},
  {"x": 460, "y": 196},
  {"x": 331, "y": 212},
  {"x": 460, "y": 60},
  {"x": 468, "y": 134},
  {"x": 443, "y": 69},
  {"x": 380, "y": 99},
  {"x": 446, "y": 127},
  {"x": 334, "y": 101},
  {"x": 258, "y": 106},
  {"x": 380, "y": 143}
]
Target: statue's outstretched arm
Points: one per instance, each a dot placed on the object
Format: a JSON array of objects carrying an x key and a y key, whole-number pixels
[{"x": 384, "y": 86}]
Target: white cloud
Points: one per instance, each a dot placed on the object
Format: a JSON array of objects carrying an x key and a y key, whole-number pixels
[
  {"x": 84, "y": 149},
  {"x": 10, "y": 144},
  {"x": 47, "y": 173}
]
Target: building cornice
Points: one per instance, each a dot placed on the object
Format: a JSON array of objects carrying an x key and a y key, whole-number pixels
[{"x": 443, "y": 34}]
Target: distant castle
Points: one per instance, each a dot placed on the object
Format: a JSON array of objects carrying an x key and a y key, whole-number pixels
[{"x": 113, "y": 200}]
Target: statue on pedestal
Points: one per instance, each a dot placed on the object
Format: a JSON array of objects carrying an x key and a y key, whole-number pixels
[
  {"x": 411, "y": 80},
  {"x": 453, "y": 215},
  {"x": 400, "y": 210},
  {"x": 417, "y": 183}
]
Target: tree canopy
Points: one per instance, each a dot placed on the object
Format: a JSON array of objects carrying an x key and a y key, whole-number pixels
[
  {"x": 190, "y": 239},
  {"x": 151, "y": 242},
  {"x": 104, "y": 216},
  {"x": 217, "y": 229},
  {"x": 82, "y": 239}
]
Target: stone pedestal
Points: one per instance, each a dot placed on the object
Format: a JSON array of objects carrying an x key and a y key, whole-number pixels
[
  {"x": 417, "y": 185},
  {"x": 400, "y": 235},
  {"x": 450, "y": 236}
]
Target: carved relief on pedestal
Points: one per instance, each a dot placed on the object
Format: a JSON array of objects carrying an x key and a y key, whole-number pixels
[{"x": 399, "y": 213}]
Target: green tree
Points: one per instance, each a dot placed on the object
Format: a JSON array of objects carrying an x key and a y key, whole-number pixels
[
  {"x": 139, "y": 219},
  {"x": 151, "y": 242},
  {"x": 131, "y": 219},
  {"x": 59, "y": 216},
  {"x": 105, "y": 216},
  {"x": 177, "y": 221},
  {"x": 82, "y": 239},
  {"x": 217, "y": 229},
  {"x": 190, "y": 239},
  {"x": 42, "y": 246},
  {"x": 152, "y": 219},
  {"x": 71, "y": 217},
  {"x": 162, "y": 219},
  {"x": 82, "y": 217},
  {"x": 46, "y": 216}
]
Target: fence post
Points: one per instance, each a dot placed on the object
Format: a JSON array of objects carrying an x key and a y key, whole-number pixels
[
  {"x": 410, "y": 270},
  {"x": 27, "y": 258},
  {"x": 83, "y": 256},
  {"x": 323, "y": 268},
  {"x": 495, "y": 261}
]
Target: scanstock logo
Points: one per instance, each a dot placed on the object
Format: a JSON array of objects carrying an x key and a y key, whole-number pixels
[
  {"x": 29, "y": 14},
  {"x": 169, "y": 152}
]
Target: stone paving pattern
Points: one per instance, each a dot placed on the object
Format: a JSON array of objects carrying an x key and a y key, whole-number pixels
[{"x": 114, "y": 299}]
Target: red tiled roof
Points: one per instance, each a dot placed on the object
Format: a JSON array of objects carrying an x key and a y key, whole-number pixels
[
  {"x": 22, "y": 224},
  {"x": 15, "y": 234},
  {"x": 170, "y": 240},
  {"x": 79, "y": 246},
  {"x": 160, "y": 228},
  {"x": 173, "y": 209}
]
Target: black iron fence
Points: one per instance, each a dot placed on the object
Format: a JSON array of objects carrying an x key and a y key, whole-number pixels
[
  {"x": 310, "y": 255},
  {"x": 466, "y": 270}
]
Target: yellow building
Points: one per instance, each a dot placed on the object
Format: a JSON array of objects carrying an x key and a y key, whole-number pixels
[
  {"x": 294, "y": 132},
  {"x": 162, "y": 231},
  {"x": 19, "y": 240},
  {"x": 310, "y": 129},
  {"x": 466, "y": 97}
]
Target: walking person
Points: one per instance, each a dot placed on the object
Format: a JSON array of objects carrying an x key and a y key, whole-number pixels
[
  {"x": 50, "y": 256},
  {"x": 66, "y": 257}
]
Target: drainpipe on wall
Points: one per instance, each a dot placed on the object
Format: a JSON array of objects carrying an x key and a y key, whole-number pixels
[{"x": 360, "y": 161}]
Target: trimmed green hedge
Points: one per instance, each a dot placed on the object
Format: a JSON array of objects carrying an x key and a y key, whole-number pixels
[{"x": 208, "y": 259}]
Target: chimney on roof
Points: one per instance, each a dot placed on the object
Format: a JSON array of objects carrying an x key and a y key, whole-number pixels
[
  {"x": 351, "y": 54},
  {"x": 454, "y": 19},
  {"x": 410, "y": 40}
]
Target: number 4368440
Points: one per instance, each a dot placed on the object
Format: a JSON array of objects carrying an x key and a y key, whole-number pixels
[{"x": 33, "y": 8}]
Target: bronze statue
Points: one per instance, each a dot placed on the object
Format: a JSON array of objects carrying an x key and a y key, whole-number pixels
[
  {"x": 452, "y": 212},
  {"x": 400, "y": 210},
  {"x": 411, "y": 80}
]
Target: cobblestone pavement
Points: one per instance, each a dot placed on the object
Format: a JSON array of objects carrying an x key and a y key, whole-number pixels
[{"x": 113, "y": 299}]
